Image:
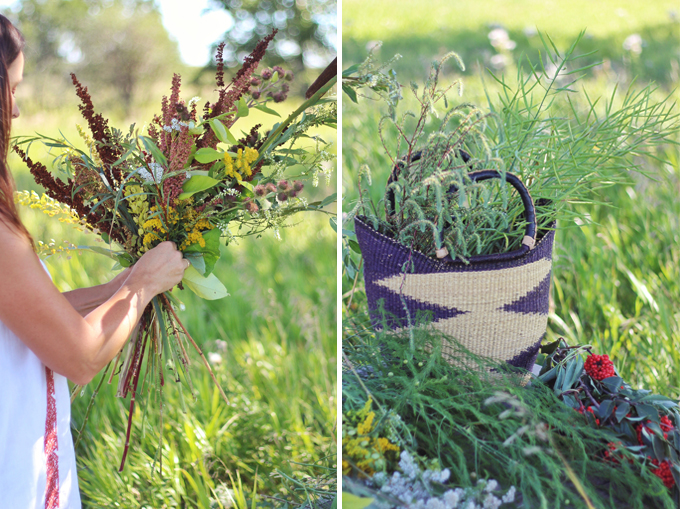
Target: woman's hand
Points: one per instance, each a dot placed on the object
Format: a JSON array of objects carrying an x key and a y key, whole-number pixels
[
  {"x": 47, "y": 323},
  {"x": 160, "y": 268}
]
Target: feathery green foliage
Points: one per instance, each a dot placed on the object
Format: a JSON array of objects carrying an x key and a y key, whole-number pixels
[
  {"x": 537, "y": 127},
  {"x": 477, "y": 419}
]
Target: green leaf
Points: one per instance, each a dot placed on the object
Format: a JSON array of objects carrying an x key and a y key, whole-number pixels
[
  {"x": 151, "y": 147},
  {"x": 125, "y": 260},
  {"x": 265, "y": 109},
  {"x": 208, "y": 155},
  {"x": 350, "y": 92},
  {"x": 350, "y": 70},
  {"x": 354, "y": 245},
  {"x": 242, "y": 108},
  {"x": 675, "y": 470},
  {"x": 606, "y": 408},
  {"x": 613, "y": 383},
  {"x": 560, "y": 380},
  {"x": 647, "y": 411},
  {"x": 659, "y": 448},
  {"x": 622, "y": 410},
  {"x": 210, "y": 253},
  {"x": 329, "y": 199},
  {"x": 103, "y": 251},
  {"x": 198, "y": 172},
  {"x": 208, "y": 288},
  {"x": 350, "y": 501},
  {"x": 550, "y": 347},
  {"x": 195, "y": 185},
  {"x": 222, "y": 132},
  {"x": 197, "y": 261},
  {"x": 571, "y": 378},
  {"x": 549, "y": 375}
]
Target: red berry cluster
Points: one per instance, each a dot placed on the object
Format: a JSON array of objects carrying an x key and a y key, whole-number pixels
[
  {"x": 599, "y": 367},
  {"x": 610, "y": 455},
  {"x": 589, "y": 409},
  {"x": 614, "y": 454},
  {"x": 663, "y": 472},
  {"x": 666, "y": 426}
]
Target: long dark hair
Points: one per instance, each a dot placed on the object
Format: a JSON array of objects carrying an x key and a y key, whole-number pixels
[{"x": 11, "y": 44}]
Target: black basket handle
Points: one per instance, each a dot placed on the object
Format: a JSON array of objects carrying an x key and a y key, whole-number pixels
[{"x": 530, "y": 232}]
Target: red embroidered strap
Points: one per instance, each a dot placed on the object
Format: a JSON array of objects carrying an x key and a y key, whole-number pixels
[{"x": 51, "y": 446}]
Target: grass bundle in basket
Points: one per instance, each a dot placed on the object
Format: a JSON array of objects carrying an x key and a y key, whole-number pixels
[
  {"x": 533, "y": 129},
  {"x": 189, "y": 180}
]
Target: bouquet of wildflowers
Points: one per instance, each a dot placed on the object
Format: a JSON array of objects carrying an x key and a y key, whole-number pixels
[{"x": 189, "y": 180}]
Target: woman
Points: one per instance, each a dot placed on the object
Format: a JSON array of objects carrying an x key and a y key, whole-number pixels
[{"x": 47, "y": 337}]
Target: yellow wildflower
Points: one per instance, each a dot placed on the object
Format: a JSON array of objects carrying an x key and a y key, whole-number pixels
[
  {"x": 365, "y": 427},
  {"x": 91, "y": 145},
  {"x": 244, "y": 158},
  {"x": 360, "y": 450}
]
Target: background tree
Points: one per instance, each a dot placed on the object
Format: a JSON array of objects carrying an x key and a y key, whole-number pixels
[
  {"x": 112, "y": 45},
  {"x": 307, "y": 30}
]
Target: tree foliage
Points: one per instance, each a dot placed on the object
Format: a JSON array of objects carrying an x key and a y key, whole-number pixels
[
  {"x": 307, "y": 29},
  {"x": 112, "y": 45}
]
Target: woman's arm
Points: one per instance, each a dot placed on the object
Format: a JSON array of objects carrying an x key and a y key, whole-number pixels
[
  {"x": 85, "y": 300},
  {"x": 75, "y": 346}
]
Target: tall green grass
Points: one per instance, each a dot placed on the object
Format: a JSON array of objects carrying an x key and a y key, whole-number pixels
[{"x": 274, "y": 444}]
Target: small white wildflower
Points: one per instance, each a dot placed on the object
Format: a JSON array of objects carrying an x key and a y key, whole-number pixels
[
  {"x": 452, "y": 497},
  {"x": 491, "y": 502},
  {"x": 155, "y": 175},
  {"x": 193, "y": 100},
  {"x": 633, "y": 43},
  {"x": 435, "y": 503},
  {"x": 492, "y": 485},
  {"x": 214, "y": 358},
  {"x": 221, "y": 345},
  {"x": 277, "y": 233},
  {"x": 500, "y": 39},
  {"x": 509, "y": 496}
]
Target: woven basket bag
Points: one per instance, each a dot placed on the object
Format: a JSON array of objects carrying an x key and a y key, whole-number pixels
[{"x": 496, "y": 305}]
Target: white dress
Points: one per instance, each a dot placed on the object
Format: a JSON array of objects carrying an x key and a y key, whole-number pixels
[{"x": 37, "y": 460}]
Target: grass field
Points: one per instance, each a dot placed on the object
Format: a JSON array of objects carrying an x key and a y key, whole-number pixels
[
  {"x": 615, "y": 280},
  {"x": 272, "y": 345}
]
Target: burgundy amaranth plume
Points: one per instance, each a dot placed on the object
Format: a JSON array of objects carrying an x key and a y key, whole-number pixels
[
  {"x": 229, "y": 95},
  {"x": 63, "y": 193},
  {"x": 99, "y": 127}
]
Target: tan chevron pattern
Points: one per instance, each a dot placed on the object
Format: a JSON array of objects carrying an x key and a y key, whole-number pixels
[{"x": 485, "y": 328}]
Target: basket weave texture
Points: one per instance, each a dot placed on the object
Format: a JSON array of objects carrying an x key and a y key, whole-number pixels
[{"x": 495, "y": 306}]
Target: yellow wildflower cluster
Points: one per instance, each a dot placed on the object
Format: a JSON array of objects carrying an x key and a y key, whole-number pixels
[
  {"x": 241, "y": 166},
  {"x": 52, "y": 248},
  {"x": 138, "y": 205},
  {"x": 367, "y": 453},
  {"x": 90, "y": 144},
  {"x": 48, "y": 206},
  {"x": 194, "y": 233},
  {"x": 154, "y": 229}
]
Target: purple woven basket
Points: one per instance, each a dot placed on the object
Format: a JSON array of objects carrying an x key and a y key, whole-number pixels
[{"x": 496, "y": 305}]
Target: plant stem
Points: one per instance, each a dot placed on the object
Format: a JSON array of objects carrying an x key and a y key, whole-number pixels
[
  {"x": 309, "y": 102},
  {"x": 200, "y": 352}
]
